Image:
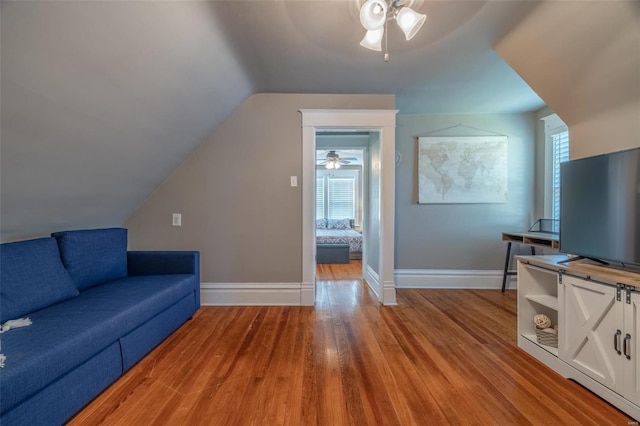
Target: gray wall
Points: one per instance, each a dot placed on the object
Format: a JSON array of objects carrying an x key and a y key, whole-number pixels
[
  {"x": 344, "y": 141},
  {"x": 462, "y": 236},
  {"x": 234, "y": 195},
  {"x": 372, "y": 238}
]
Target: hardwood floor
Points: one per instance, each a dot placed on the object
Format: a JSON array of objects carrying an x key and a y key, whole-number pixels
[{"x": 439, "y": 357}]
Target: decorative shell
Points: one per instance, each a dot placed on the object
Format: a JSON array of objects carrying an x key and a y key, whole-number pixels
[{"x": 542, "y": 321}]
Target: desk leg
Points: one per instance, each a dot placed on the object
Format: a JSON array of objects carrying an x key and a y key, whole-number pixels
[
  {"x": 506, "y": 267},
  {"x": 533, "y": 250}
]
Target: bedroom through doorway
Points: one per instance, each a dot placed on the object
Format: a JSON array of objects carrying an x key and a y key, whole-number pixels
[{"x": 340, "y": 198}]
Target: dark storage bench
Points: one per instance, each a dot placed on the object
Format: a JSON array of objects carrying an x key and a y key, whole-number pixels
[{"x": 332, "y": 253}]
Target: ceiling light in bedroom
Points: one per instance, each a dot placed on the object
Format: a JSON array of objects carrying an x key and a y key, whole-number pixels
[
  {"x": 332, "y": 165},
  {"x": 374, "y": 15}
]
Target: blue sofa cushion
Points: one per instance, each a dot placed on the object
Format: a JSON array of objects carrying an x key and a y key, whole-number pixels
[
  {"x": 93, "y": 256},
  {"x": 63, "y": 336},
  {"x": 33, "y": 277},
  {"x": 56, "y": 403}
]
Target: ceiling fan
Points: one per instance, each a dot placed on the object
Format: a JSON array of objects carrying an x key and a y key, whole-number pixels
[{"x": 334, "y": 161}]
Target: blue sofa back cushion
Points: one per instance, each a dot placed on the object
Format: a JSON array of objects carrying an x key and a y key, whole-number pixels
[
  {"x": 93, "y": 256},
  {"x": 33, "y": 277}
]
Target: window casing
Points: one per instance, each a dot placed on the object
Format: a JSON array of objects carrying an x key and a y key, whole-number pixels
[
  {"x": 560, "y": 147},
  {"x": 556, "y": 152}
]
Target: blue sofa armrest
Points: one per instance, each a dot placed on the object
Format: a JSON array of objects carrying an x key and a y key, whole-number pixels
[{"x": 163, "y": 262}]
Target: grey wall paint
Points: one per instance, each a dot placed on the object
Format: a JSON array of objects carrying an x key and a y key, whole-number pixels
[
  {"x": 234, "y": 195},
  {"x": 372, "y": 238},
  {"x": 461, "y": 236},
  {"x": 101, "y": 101},
  {"x": 342, "y": 141},
  {"x": 582, "y": 59}
]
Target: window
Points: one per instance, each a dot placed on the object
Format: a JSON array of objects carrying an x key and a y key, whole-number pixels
[
  {"x": 560, "y": 147},
  {"x": 338, "y": 194},
  {"x": 320, "y": 197},
  {"x": 557, "y": 152},
  {"x": 341, "y": 198}
]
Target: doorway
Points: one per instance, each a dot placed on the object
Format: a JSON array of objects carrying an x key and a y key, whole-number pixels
[
  {"x": 341, "y": 183},
  {"x": 378, "y": 254}
]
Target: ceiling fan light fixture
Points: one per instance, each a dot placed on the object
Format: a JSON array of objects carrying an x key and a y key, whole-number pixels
[
  {"x": 332, "y": 165},
  {"x": 373, "y": 39},
  {"x": 373, "y": 14},
  {"x": 410, "y": 21}
]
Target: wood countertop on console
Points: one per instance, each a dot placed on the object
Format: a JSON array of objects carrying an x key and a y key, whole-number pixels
[{"x": 585, "y": 269}]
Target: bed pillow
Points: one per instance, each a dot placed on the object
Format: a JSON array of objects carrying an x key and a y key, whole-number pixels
[
  {"x": 338, "y": 224},
  {"x": 321, "y": 223}
]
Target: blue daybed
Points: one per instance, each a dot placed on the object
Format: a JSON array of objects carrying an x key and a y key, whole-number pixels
[{"x": 96, "y": 310}]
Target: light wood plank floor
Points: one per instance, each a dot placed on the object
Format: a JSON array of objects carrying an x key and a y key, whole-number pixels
[{"x": 439, "y": 357}]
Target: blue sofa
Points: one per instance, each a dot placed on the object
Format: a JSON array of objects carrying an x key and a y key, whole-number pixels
[{"x": 96, "y": 310}]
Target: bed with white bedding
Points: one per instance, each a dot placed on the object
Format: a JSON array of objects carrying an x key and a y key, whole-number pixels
[{"x": 339, "y": 231}]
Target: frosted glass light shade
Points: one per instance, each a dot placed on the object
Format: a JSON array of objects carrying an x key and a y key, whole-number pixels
[
  {"x": 410, "y": 21},
  {"x": 373, "y": 14},
  {"x": 373, "y": 39}
]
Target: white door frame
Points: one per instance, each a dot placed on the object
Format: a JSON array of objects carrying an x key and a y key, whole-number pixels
[{"x": 384, "y": 122}]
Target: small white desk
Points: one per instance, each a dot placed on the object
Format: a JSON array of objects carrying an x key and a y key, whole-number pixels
[{"x": 532, "y": 239}]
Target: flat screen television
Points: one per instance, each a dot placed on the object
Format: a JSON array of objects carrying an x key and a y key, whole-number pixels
[{"x": 600, "y": 207}]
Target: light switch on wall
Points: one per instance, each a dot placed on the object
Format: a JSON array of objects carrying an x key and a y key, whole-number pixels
[
  {"x": 294, "y": 180},
  {"x": 176, "y": 219}
]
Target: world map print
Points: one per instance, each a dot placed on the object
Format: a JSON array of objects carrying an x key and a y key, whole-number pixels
[{"x": 470, "y": 169}]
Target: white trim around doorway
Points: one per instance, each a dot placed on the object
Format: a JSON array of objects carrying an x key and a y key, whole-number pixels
[{"x": 384, "y": 122}]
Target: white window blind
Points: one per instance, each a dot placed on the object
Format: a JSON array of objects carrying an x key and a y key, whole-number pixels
[
  {"x": 560, "y": 154},
  {"x": 320, "y": 198},
  {"x": 341, "y": 198},
  {"x": 338, "y": 194}
]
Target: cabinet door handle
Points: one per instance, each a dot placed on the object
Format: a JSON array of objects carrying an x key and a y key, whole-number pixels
[
  {"x": 616, "y": 341},
  {"x": 627, "y": 346}
]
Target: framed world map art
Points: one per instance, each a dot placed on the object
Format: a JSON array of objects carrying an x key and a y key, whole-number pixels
[{"x": 468, "y": 169}]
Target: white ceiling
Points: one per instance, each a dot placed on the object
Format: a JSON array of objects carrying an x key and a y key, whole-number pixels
[{"x": 101, "y": 101}]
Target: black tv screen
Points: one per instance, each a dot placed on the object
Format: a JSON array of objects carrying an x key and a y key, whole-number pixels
[{"x": 600, "y": 207}]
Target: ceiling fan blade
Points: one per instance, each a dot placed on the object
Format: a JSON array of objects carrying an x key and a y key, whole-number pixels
[
  {"x": 349, "y": 158},
  {"x": 344, "y": 161}
]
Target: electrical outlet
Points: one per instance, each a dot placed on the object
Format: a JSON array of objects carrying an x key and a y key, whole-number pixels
[
  {"x": 176, "y": 219},
  {"x": 294, "y": 180}
]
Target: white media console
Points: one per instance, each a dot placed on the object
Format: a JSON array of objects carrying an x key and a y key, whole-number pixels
[{"x": 597, "y": 310}]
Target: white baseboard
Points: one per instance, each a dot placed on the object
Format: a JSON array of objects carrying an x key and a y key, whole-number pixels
[
  {"x": 307, "y": 294},
  {"x": 251, "y": 294},
  {"x": 389, "y": 293},
  {"x": 297, "y": 294},
  {"x": 372, "y": 279},
  {"x": 451, "y": 278}
]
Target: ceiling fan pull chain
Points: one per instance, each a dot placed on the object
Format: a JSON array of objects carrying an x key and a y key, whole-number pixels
[{"x": 386, "y": 42}]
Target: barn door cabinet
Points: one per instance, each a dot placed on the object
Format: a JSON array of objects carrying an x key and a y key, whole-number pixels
[
  {"x": 600, "y": 323},
  {"x": 598, "y": 315}
]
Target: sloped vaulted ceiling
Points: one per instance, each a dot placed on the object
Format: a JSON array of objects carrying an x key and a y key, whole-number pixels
[
  {"x": 102, "y": 100},
  {"x": 584, "y": 61}
]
